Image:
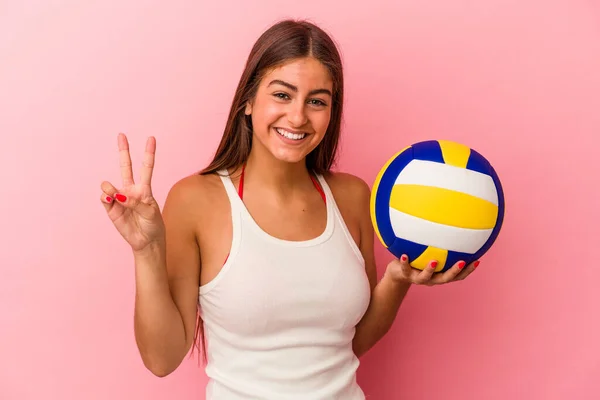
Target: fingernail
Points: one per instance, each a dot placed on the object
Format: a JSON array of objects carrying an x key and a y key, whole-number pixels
[
  {"x": 403, "y": 258},
  {"x": 433, "y": 264},
  {"x": 108, "y": 199},
  {"x": 475, "y": 264},
  {"x": 461, "y": 265},
  {"x": 120, "y": 197}
]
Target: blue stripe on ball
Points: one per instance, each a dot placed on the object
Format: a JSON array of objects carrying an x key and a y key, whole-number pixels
[
  {"x": 456, "y": 256},
  {"x": 384, "y": 191},
  {"x": 429, "y": 150},
  {"x": 411, "y": 249},
  {"x": 478, "y": 163},
  {"x": 499, "y": 221}
]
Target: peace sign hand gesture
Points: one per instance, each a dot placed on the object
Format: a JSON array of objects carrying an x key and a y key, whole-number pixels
[{"x": 132, "y": 209}]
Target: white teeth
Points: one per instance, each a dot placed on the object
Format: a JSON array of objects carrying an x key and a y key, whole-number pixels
[{"x": 290, "y": 135}]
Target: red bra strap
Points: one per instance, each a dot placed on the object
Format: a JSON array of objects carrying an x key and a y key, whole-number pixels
[
  {"x": 241, "y": 188},
  {"x": 319, "y": 188}
]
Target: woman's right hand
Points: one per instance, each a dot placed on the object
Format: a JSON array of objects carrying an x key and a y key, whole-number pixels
[{"x": 132, "y": 208}]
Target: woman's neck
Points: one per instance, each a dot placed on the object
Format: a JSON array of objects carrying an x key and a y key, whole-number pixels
[{"x": 279, "y": 177}]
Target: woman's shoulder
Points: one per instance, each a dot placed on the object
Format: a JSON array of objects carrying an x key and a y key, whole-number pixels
[
  {"x": 352, "y": 195},
  {"x": 347, "y": 186},
  {"x": 195, "y": 191}
]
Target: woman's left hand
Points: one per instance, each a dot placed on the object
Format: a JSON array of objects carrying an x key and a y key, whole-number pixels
[{"x": 400, "y": 271}]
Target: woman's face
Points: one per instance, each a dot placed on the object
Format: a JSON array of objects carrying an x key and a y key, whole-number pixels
[{"x": 291, "y": 109}]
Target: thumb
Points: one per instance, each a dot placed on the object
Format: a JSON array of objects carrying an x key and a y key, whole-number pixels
[
  {"x": 130, "y": 201},
  {"x": 405, "y": 265},
  {"x": 146, "y": 208},
  {"x": 108, "y": 195},
  {"x": 125, "y": 199}
]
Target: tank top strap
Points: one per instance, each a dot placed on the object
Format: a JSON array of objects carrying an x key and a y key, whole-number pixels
[
  {"x": 322, "y": 187},
  {"x": 232, "y": 193},
  {"x": 333, "y": 206}
]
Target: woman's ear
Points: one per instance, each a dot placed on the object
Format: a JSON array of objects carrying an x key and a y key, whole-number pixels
[{"x": 248, "y": 109}]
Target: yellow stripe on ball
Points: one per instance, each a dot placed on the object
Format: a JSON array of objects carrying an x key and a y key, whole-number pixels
[
  {"x": 455, "y": 153},
  {"x": 444, "y": 206},
  {"x": 431, "y": 253}
]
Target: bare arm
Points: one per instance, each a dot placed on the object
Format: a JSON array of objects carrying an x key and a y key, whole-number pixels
[
  {"x": 167, "y": 278},
  {"x": 167, "y": 259},
  {"x": 386, "y": 299}
]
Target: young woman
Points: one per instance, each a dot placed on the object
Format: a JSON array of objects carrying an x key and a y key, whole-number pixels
[{"x": 273, "y": 249}]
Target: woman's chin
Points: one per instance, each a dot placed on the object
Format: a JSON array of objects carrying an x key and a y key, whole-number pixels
[
  {"x": 289, "y": 158},
  {"x": 288, "y": 154}
]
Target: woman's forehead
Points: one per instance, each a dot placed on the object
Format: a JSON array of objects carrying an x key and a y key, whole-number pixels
[{"x": 304, "y": 74}]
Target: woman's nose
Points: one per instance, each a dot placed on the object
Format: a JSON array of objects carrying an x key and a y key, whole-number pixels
[{"x": 297, "y": 115}]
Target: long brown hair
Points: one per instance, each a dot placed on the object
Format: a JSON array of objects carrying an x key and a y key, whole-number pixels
[{"x": 284, "y": 41}]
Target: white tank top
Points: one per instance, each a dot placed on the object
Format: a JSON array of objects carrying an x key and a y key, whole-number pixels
[{"x": 280, "y": 316}]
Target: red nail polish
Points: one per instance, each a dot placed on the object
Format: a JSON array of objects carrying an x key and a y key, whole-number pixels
[
  {"x": 108, "y": 199},
  {"x": 433, "y": 264},
  {"x": 403, "y": 258},
  {"x": 476, "y": 264},
  {"x": 461, "y": 265},
  {"x": 120, "y": 197}
]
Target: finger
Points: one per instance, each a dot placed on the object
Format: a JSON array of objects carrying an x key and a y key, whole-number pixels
[
  {"x": 108, "y": 198},
  {"x": 148, "y": 161},
  {"x": 468, "y": 270},
  {"x": 109, "y": 189},
  {"x": 450, "y": 274},
  {"x": 107, "y": 201},
  {"x": 125, "y": 160},
  {"x": 405, "y": 266},
  {"x": 145, "y": 209},
  {"x": 424, "y": 277},
  {"x": 115, "y": 194}
]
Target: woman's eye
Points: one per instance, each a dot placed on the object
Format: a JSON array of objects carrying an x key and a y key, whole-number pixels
[
  {"x": 317, "y": 102},
  {"x": 313, "y": 102}
]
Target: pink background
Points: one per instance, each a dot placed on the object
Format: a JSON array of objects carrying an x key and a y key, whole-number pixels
[{"x": 517, "y": 80}]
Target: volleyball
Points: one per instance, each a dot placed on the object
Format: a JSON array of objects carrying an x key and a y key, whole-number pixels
[{"x": 437, "y": 200}]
